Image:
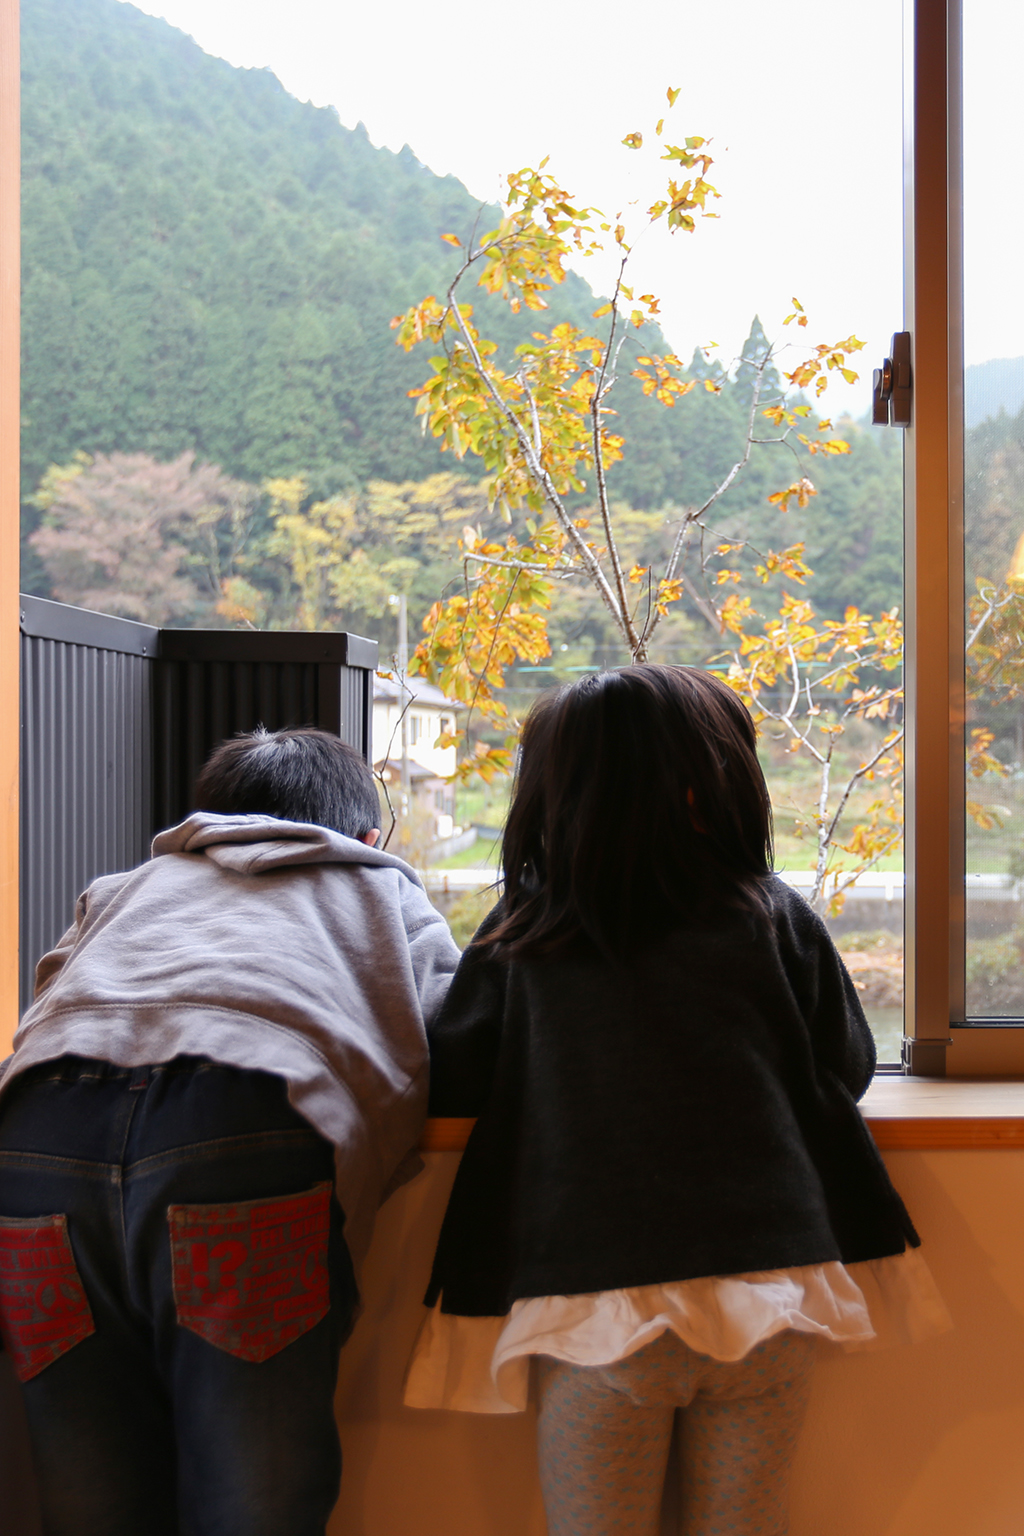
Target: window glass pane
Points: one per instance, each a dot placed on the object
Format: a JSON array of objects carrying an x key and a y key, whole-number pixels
[
  {"x": 218, "y": 423},
  {"x": 994, "y": 510}
]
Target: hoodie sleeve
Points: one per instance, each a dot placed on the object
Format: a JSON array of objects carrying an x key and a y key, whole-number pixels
[
  {"x": 54, "y": 961},
  {"x": 435, "y": 954}
]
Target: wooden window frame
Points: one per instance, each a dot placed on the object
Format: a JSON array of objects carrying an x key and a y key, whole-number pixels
[{"x": 938, "y": 1040}]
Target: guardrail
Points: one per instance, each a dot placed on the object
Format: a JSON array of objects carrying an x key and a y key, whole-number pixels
[
  {"x": 875, "y": 885},
  {"x": 882, "y": 885}
]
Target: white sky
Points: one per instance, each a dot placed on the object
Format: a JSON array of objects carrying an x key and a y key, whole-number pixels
[
  {"x": 803, "y": 105},
  {"x": 993, "y": 209}
]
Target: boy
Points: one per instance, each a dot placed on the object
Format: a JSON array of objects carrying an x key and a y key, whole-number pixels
[{"x": 223, "y": 1074}]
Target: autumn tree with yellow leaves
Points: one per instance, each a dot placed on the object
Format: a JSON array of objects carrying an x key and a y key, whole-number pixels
[{"x": 544, "y": 428}]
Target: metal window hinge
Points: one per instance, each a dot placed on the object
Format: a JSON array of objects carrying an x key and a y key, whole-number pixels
[{"x": 892, "y": 390}]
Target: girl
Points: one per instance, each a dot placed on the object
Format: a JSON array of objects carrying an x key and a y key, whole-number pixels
[{"x": 669, "y": 1194}]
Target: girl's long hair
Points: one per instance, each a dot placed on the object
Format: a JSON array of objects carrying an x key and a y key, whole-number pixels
[{"x": 639, "y": 805}]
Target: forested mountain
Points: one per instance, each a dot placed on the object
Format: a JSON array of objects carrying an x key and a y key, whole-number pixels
[{"x": 211, "y": 265}]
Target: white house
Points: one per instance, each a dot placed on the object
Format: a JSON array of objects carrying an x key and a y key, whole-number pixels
[{"x": 429, "y": 715}]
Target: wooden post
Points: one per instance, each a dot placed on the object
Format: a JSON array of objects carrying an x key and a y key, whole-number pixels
[{"x": 10, "y": 544}]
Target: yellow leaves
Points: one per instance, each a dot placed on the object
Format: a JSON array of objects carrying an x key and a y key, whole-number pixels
[
  {"x": 668, "y": 592},
  {"x": 637, "y": 573},
  {"x": 497, "y": 618},
  {"x": 826, "y": 357},
  {"x": 801, "y": 677},
  {"x": 721, "y": 577},
  {"x": 995, "y": 650},
  {"x": 242, "y": 604},
  {"x": 979, "y": 759},
  {"x": 984, "y": 817},
  {"x": 871, "y": 703},
  {"x": 672, "y": 96},
  {"x": 633, "y": 140},
  {"x": 57, "y": 478},
  {"x": 424, "y": 321},
  {"x": 605, "y": 309},
  {"x": 830, "y": 445},
  {"x": 797, "y": 315},
  {"x": 802, "y": 489},
  {"x": 286, "y": 495},
  {"x": 734, "y": 613},
  {"x": 452, "y": 240},
  {"x": 787, "y": 562},
  {"x": 660, "y": 377},
  {"x": 485, "y": 762}
]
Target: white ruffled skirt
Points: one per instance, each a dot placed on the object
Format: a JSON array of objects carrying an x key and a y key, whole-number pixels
[{"x": 482, "y": 1364}]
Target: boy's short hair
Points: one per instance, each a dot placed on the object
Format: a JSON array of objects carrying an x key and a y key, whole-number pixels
[{"x": 298, "y": 774}]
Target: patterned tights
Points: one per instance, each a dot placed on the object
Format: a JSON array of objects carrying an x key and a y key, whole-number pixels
[{"x": 604, "y": 1434}]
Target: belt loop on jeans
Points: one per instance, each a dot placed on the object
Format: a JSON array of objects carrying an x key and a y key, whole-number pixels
[{"x": 139, "y": 1078}]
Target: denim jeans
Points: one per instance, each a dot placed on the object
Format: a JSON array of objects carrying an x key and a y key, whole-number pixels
[{"x": 180, "y": 1352}]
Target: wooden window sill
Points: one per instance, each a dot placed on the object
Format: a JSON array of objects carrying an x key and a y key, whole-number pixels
[{"x": 903, "y": 1113}]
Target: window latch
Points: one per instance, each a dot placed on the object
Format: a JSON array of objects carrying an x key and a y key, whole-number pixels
[{"x": 893, "y": 386}]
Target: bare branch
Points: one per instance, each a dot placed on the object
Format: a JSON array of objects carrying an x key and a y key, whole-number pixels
[
  {"x": 563, "y": 574},
  {"x": 635, "y": 643},
  {"x": 855, "y": 779}
]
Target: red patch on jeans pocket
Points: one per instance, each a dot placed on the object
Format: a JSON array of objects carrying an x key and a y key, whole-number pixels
[
  {"x": 44, "y": 1310},
  {"x": 252, "y": 1277}
]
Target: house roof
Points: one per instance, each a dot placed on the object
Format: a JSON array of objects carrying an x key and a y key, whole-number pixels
[
  {"x": 417, "y": 772},
  {"x": 388, "y": 690}
]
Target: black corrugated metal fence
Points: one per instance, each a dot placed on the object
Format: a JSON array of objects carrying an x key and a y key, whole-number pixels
[{"x": 117, "y": 718}]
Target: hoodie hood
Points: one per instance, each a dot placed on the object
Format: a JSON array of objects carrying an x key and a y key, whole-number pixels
[{"x": 254, "y": 845}]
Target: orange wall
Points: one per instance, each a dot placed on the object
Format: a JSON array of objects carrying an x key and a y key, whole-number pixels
[{"x": 922, "y": 1441}]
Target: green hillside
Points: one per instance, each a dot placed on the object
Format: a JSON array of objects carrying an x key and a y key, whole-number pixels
[{"x": 212, "y": 265}]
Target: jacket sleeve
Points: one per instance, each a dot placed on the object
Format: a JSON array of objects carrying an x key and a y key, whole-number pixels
[
  {"x": 466, "y": 1036},
  {"x": 841, "y": 1037}
]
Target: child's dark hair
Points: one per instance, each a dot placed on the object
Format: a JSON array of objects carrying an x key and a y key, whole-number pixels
[
  {"x": 639, "y": 804},
  {"x": 298, "y": 774}
]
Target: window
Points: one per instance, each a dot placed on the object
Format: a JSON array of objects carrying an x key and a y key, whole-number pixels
[
  {"x": 964, "y": 889},
  {"x": 993, "y": 517},
  {"x": 947, "y": 917}
]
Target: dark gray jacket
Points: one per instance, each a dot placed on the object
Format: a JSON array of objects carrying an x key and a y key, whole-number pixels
[{"x": 691, "y": 1114}]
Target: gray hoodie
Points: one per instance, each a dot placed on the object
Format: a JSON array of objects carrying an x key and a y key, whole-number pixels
[{"x": 265, "y": 944}]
